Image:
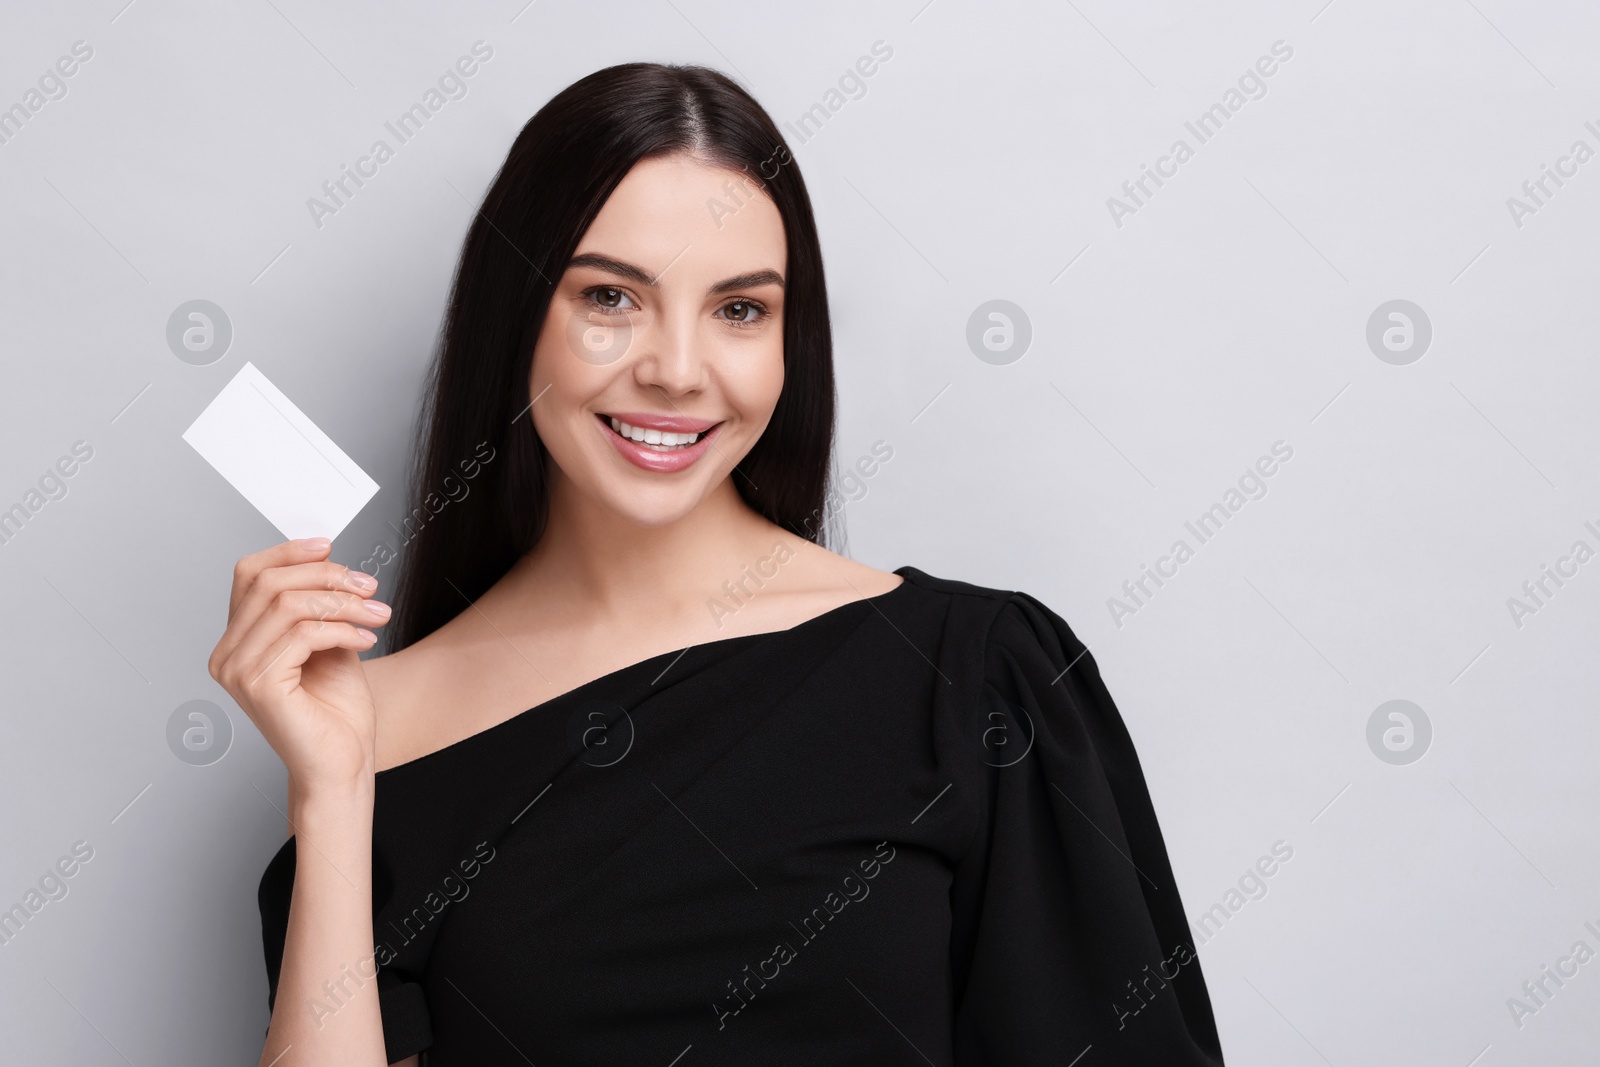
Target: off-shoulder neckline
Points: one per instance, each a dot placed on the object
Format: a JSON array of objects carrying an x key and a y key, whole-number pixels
[{"x": 907, "y": 575}]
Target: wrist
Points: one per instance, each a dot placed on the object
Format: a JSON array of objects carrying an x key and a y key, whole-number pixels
[{"x": 341, "y": 798}]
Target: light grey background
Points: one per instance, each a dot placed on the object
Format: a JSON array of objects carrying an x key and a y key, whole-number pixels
[{"x": 1228, "y": 312}]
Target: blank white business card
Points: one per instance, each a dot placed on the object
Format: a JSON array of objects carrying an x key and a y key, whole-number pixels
[{"x": 268, "y": 450}]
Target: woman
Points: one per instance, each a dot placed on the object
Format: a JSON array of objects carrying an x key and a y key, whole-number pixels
[{"x": 649, "y": 775}]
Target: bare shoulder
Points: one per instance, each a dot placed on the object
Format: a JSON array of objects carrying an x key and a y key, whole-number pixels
[
  {"x": 400, "y": 683},
  {"x": 834, "y": 570},
  {"x": 792, "y": 583},
  {"x": 824, "y": 579}
]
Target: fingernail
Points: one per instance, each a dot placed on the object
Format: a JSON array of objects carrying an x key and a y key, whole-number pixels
[
  {"x": 362, "y": 580},
  {"x": 314, "y": 544},
  {"x": 378, "y": 608}
]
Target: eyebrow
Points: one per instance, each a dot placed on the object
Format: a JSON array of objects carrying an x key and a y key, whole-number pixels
[{"x": 643, "y": 277}]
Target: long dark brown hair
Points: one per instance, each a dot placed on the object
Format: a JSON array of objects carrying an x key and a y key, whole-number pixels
[{"x": 559, "y": 172}]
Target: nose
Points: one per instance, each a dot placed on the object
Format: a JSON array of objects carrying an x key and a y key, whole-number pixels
[{"x": 670, "y": 356}]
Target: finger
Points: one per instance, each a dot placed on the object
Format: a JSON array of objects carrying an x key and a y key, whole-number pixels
[
  {"x": 283, "y": 659},
  {"x": 290, "y": 608},
  {"x": 245, "y": 572},
  {"x": 273, "y": 582}
]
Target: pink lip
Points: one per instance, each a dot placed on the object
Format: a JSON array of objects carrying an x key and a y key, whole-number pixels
[
  {"x": 651, "y": 460},
  {"x": 664, "y": 423}
]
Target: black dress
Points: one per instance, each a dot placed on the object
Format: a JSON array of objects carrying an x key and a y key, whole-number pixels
[{"x": 912, "y": 830}]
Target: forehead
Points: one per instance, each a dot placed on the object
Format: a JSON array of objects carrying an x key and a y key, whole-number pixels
[{"x": 704, "y": 220}]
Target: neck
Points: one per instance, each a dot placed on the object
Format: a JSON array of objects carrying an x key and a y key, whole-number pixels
[{"x": 593, "y": 556}]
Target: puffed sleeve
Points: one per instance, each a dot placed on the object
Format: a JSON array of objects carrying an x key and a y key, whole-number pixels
[
  {"x": 1068, "y": 929},
  {"x": 407, "y": 1028}
]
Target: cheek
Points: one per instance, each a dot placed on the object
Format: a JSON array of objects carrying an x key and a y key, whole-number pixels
[
  {"x": 556, "y": 375},
  {"x": 754, "y": 382},
  {"x": 556, "y": 383},
  {"x": 548, "y": 364}
]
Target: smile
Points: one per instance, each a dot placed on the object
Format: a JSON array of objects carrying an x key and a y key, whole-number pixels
[
  {"x": 662, "y": 444},
  {"x": 657, "y": 440}
]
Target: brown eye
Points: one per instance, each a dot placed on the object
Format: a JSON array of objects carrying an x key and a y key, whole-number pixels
[
  {"x": 743, "y": 312},
  {"x": 609, "y": 299}
]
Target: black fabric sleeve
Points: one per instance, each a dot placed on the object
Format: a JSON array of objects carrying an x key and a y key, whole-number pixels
[
  {"x": 407, "y": 1027},
  {"x": 1071, "y": 933}
]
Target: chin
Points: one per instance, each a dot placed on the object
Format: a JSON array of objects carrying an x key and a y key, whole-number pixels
[{"x": 650, "y": 509}]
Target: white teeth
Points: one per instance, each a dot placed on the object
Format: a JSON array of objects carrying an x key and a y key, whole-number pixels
[{"x": 655, "y": 440}]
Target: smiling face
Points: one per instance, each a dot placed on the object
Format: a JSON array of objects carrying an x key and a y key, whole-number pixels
[{"x": 666, "y": 327}]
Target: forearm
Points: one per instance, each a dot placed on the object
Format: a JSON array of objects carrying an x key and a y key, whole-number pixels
[{"x": 326, "y": 1008}]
